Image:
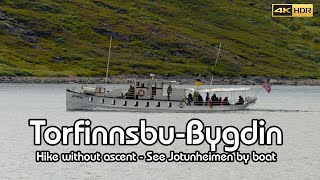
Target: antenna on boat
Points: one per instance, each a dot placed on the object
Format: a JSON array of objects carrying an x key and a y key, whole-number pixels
[
  {"x": 108, "y": 60},
  {"x": 215, "y": 64}
]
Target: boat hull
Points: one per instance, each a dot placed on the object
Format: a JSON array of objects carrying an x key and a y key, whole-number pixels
[{"x": 80, "y": 101}]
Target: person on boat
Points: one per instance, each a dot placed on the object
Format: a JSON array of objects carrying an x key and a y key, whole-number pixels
[
  {"x": 220, "y": 100},
  {"x": 210, "y": 103},
  {"x": 195, "y": 98},
  {"x": 189, "y": 99},
  {"x": 207, "y": 99},
  {"x": 213, "y": 97},
  {"x": 130, "y": 93},
  {"x": 226, "y": 101},
  {"x": 240, "y": 101},
  {"x": 169, "y": 91},
  {"x": 200, "y": 100},
  {"x": 127, "y": 93},
  {"x": 215, "y": 100}
]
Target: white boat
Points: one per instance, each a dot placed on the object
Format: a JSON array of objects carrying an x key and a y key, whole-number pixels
[
  {"x": 157, "y": 96},
  {"x": 153, "y": 95}
]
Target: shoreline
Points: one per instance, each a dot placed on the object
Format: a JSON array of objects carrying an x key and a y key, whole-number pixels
[{"x": 217, "y": 80}]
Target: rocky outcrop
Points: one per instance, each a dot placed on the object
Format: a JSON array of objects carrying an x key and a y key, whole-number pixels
[{"x": 16, "y": 28}]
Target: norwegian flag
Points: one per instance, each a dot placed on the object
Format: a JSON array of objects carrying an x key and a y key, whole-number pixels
[{"x": 267, "y": 86}]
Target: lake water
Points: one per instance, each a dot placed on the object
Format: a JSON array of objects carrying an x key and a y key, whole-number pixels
[{"x": 296, "y": 110}]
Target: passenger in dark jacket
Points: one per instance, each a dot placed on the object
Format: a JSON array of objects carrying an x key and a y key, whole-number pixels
[
  {"x": 225, "y": 101},
  {"x": 240, "y": 101},
  {"x": 200, "y": 100},
  {"x": 213, "y": 97}
]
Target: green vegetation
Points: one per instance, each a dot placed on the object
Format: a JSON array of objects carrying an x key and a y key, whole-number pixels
[{"x": 168, "y": 37}]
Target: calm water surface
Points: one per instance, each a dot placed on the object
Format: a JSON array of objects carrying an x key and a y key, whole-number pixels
[{"x": 294, "y": 109}]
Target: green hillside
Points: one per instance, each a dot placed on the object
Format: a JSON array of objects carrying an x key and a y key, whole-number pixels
[{"x": 168, "y": 37}]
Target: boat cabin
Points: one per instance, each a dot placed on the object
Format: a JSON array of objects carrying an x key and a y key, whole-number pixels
[{"x": 155, "y": 90}]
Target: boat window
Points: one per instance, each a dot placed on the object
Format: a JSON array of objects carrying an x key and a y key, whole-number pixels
[
  {"x": 158, "y": 105},
  {"x": 170, "y": 105},
  {"x": 113, "y": 102},
  {"x": 147, "y": 104},
  {"x": 125, "y": 103},
  {"x": 90, "y": 99},
  {"x": 136, "y": 103},
  {"x": 102, "y": 101}
]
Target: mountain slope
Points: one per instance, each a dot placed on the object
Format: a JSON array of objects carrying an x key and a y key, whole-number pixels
[{"x": 61, "y": 37}]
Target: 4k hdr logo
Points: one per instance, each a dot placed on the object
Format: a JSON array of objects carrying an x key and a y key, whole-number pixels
[{"x": 292, "y": 10}]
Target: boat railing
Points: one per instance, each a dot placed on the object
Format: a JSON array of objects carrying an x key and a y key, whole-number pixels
[
  {"x": 210, "y": 103},
  {"x": 129, "y": 95}
]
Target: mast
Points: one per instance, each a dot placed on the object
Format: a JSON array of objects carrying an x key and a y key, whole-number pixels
[
  {"x": 215, "y": 64},
  {"x": 108, "y": 60}
]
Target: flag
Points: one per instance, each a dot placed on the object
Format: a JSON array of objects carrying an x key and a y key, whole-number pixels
[
  {"x": 267, "y": 86},
  {"x": 198, "y": 83}
]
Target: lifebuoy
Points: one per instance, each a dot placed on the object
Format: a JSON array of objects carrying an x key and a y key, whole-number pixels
[
  {"x": 141, "y": 92},
  {"x": 102, "y": 90},
  {"x": 181, "y": 105}
]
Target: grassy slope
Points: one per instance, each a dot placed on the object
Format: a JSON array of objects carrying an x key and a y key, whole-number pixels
[{"x": 166, "y": 37}]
